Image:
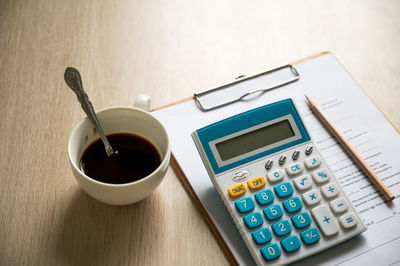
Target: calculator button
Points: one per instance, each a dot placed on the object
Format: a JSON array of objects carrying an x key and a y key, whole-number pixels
[
  {"x": 253, "y": 220},
  {"x": 294, "y": 169},
  {"x": 348, "y": 220},
  {"x": 312, "y": 197},
  {"x": 269, "y": 164},
  {"x": 296, "y": 155},
  {"x": 262, "y": 236},
  {"x": 245, "y": 205},
  {"x": 292, "y": 205},
  {"x": 312, "y": 162},
  {"x": 284, "y": 190},
  {"x": 339, "y": 205},
  {"x": 310, "y": 236},
  {"x": 309, "y": 149},
  {"x": 237, "y": 190},
  {"x": 302, "y": 182},
  {"x": 273, "y": 212},
  {"x": 282, "y": 160},
  {"x": 282, "y": 228},
  {"x": 270, "y": 252},
  {"x": 301, "y": 220},
  {"x": 256, "y": 183},
  {"x": 321, "y": 176},
  {"x": 240, "y": 176},
  {"x": 276, "y": 175},
  {"x": 325, "y": 220},
  {"x": 290, "y": 244},
  {"x": 329, "y": 191},
  {"x": 264, "y": 197}
]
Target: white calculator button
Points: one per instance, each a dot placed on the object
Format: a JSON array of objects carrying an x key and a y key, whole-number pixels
[
  {"x": 302, "y": 182},
  {"x": 276, "y": 175},
  {"x": 312, "y": 162},
  {"x": 321, "y": 176},
  {"x": 312, "y": 197},
  {"x": 294, "y": 169},
  {"x": 348, "y": 220},
  {"x": 325, "y": 220},
  {"x": 329, "y": 191},
  {"x": 339, "y": 205}
]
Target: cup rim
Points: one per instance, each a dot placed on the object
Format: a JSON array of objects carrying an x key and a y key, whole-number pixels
[{"x": 102, "y": 110}]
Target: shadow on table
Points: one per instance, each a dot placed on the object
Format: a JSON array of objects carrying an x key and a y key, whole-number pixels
[{"x": 94, "y": 233}]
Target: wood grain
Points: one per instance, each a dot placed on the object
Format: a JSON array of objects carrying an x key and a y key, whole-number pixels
[{"x": 168, "y": 50}]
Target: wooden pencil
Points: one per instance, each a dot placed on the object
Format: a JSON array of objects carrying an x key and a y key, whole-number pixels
[{"x": 350, "y": 150}]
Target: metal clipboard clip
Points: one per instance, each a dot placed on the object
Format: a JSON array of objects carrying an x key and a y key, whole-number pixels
[{"x": 198, "y": 95}]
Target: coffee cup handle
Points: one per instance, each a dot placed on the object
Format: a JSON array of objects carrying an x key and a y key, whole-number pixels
[{"x": 143, "y": 102}]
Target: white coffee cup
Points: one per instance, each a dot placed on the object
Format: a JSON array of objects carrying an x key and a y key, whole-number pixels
[{"x": 120, "y": 120}]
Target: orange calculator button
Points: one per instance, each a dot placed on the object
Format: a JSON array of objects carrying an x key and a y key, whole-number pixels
[
  {"x": 237, "y": 190},
  {"x": 256, "y": 183}
]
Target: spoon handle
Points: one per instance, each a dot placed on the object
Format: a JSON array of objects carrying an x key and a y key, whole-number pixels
[{"x": 74, "y": 81}]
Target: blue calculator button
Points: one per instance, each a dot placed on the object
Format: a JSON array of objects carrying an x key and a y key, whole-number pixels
[
  {"x": 271, "y": 252},
  {"x": 264, "y": 197},
  {"x": 292, "y": 205},
  {"x": 290, "y": 244},
  {"x": 284, "y": 190},
  {"x": 262, "y": 236},
  {"x": 245, "y": 205},
  {"x": 273, "y": 212},
  {"x": 301, "y": 220},
  {"x": 310, "y": 236},
  {"x": 282, "y": 228},
  {"x": 253, "y": 220}
]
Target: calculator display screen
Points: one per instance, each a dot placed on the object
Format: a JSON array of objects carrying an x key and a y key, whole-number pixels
[{"x": 254, "y": 140}]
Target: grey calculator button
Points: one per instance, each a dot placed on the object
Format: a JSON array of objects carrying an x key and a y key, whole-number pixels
[
  {"x": 282, "y": 160},
  {"x": 309, "y": 149},
  {"x": 269, "y": 164},
  {"x": 240, "y": 175},
  {"x": 295, "y": 154}
]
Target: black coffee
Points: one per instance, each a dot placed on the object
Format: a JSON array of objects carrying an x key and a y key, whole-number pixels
[{"x": 136, "y": 158}]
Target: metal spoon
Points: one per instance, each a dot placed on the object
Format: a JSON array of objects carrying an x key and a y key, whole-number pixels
[{"x": 74, "y": 81}]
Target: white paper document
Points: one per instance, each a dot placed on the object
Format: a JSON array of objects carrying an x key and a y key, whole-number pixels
[{"x": 325, "y": 81}]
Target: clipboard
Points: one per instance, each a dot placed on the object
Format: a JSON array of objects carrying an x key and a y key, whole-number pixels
[{"x": 238, "y": 103}]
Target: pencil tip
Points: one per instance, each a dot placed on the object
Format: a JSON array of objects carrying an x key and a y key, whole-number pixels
[{"x": 308, "y": 100}]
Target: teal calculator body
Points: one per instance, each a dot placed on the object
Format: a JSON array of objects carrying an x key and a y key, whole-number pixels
[{"x": 282, "y": 196}]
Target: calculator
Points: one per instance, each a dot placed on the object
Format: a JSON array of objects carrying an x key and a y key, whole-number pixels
[{"x": 281, "y": 194}]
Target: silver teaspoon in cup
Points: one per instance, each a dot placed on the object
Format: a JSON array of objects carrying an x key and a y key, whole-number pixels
[{"x": 74, "y": 81}]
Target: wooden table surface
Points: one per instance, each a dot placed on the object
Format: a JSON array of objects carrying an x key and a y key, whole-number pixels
[{"x": 168, "y": 50}]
